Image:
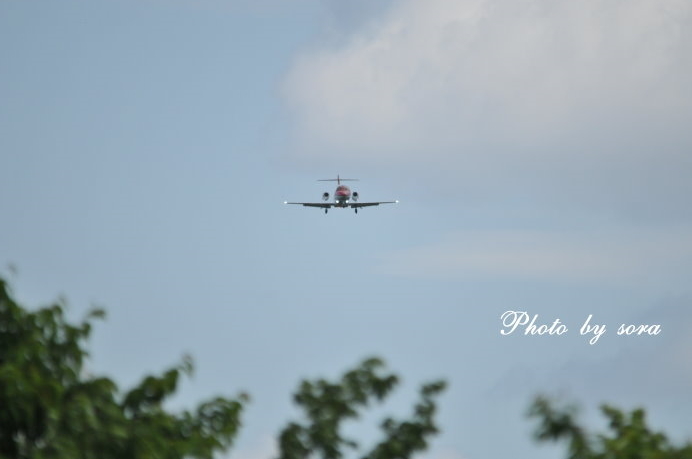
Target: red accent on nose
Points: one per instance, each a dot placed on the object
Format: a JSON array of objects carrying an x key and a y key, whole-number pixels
[{"x": 342, "y": 190}]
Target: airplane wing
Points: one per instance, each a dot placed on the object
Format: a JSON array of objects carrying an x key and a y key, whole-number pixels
[
  {"x": 324, "y": 205},
  {"x": 356, "y": 205}
]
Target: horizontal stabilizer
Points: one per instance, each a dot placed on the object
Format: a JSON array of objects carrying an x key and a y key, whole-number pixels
[{"x": 338, "y": 179}]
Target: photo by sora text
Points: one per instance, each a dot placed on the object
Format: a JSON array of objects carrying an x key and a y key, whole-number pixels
[{"x": 522, "y": 321}]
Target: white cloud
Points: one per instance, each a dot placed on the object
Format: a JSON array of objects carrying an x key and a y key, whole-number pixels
[
  {"x": 631, "y": 257},
  {"x": 455, "y": 71}
]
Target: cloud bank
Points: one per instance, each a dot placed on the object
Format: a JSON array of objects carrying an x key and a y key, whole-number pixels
[
  {"x": 622, "y": 258},
  {"x": 527, "y": 68}
]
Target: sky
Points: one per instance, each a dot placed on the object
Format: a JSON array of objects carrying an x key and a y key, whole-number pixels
[{"x": 540, "y": 152}]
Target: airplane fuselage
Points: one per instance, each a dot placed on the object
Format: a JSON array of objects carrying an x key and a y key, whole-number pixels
[{"x": 342, "y": 196}]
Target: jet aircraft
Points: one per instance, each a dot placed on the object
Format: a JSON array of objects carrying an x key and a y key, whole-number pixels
[{"x": 343, "y": 197}]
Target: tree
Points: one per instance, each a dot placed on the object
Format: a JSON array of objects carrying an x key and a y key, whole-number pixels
[
  {"x": 326, "y": 405},
  {"x": 629, "y": 436},
  {"x": 50, "y": 409}
]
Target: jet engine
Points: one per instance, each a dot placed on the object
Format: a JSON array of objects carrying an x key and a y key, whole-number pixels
[
  {"x": 354, "y": 196},
  {"x": 325, "y": 196}
]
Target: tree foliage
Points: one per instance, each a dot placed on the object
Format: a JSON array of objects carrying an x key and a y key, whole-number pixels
[
  {"x": 50, "y": 409},
  {"x": 327, "y": 405},
  {"x": 629, "y": 436}
]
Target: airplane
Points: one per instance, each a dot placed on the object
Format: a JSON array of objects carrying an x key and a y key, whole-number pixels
[{"x": 343, "y": 197}]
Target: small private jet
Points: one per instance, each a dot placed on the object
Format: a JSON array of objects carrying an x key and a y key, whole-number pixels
[{"x": 343, "y": 197}]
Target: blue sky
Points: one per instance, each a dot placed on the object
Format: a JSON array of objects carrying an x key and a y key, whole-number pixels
[{"x": 540, "y": 151}]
